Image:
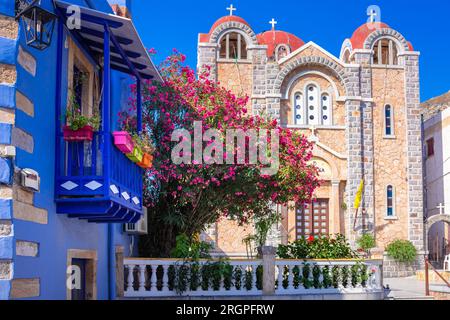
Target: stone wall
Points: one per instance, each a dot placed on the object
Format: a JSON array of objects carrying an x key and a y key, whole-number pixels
[
  {"x": 390, "y": 156},
  {"x": 414, "y": 149},
  {"x": 395, "y": 269},
  {"x": 8, "y": 77},
  {"x": 15, "y": 201}
]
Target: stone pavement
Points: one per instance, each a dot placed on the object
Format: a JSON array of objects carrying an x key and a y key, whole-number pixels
[{"x": 406, "y": 289}]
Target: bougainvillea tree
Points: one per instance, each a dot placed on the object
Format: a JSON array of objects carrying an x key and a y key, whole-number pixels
[{"x": 186, "y": 197}]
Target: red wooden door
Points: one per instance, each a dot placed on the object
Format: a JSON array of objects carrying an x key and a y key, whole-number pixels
[{"x": 312, "y": 218}]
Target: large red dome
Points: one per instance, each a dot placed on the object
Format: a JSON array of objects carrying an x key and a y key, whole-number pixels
[
  {"x": 274, "y": 38},
  {"x": 205, "y": 37}
]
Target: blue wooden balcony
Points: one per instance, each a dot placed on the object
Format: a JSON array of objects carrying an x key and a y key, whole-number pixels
[
  {"x": 85, "y": 191},
  {"x": 94, "y": 180}
]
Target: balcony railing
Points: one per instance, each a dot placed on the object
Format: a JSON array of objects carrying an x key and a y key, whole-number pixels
[{"x": 97, "y": 182}]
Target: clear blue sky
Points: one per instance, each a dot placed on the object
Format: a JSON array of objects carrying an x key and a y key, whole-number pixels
[{"x": 165, "y": 25}]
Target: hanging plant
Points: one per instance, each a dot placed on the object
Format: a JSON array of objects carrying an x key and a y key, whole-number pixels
[{"x": 79, "y": 127}]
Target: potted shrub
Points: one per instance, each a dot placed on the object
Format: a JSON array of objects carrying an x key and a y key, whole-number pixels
[
  {"x": 78, "y": 126},
  {"x": 365, "y": 243}
]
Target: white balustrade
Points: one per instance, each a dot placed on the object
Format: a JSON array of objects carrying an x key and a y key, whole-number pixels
[
  {"x": 157, "y": 278},
  {"x": 372, "y": 284},
  {"x": 162, "y": 278}
]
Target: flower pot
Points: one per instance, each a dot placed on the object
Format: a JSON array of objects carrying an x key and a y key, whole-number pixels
[
  {"x": 83, "y": 134},
  {"x": 146, "y": 162},
  {"x": 136, "y": 155},
  {"x": 123, "y": 141}
]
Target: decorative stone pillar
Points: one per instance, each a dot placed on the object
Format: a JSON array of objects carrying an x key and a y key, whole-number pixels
[
  {"x": 354, "y": 164},
  {"x": 258, "y": 55},
  {"x": 363, "y": 58},
  {"x": 268, "y": 257},
  {"x": 207, "y": 58},
  {"x": 414, "y": 157},
  {"x": 335, "y": 206}
]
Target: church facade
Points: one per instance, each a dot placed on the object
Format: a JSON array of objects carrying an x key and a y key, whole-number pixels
[{"x": 361, "y": 110}]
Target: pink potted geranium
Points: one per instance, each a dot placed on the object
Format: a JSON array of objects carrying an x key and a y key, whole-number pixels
[{"x": 80, "y": 127}]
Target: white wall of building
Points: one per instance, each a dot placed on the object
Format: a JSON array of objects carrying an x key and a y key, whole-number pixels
[{"x": 437, "y": 174}]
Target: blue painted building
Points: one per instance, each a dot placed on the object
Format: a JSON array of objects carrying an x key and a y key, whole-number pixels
[{"x": 63, "y": 204}]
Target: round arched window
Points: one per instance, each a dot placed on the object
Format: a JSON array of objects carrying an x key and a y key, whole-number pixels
[
  {"x": 233, "y": 46},
  {"x": 385, "y": 52}
]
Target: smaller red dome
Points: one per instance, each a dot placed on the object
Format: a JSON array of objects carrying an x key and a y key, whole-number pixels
[
  {"x": 360, "y": 35},
  {"x": 274, "y": 38}
]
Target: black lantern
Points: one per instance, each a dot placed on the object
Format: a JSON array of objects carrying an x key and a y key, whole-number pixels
[{"x": 38, "y": 24}]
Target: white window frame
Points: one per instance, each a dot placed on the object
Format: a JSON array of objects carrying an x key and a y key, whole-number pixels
[
  {"x": 385, "y": 135},
  {"x": 294, "y": 113},
  {"x": 330, "y": 108},
  {"x": 318, "y": 104},
  {"x": 394, "y": 203}
]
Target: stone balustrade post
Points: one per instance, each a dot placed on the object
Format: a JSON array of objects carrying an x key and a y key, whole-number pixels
[{"x": 268, "y": 282}]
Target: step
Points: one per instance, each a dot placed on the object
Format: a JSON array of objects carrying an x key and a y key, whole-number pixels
[{"x": 411, "y": 298}]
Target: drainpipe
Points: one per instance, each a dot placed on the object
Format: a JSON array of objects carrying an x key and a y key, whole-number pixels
[{"x": 111, "y": 263}]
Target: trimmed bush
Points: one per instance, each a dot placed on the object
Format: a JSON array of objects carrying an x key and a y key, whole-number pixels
[{"x": 402, "y": 251}]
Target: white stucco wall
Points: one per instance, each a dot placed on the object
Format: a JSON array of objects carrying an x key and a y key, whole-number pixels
[{"x": 437, "y": 174}]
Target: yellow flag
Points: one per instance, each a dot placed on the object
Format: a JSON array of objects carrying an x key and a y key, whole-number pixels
[{"x": 359, "y": 195}]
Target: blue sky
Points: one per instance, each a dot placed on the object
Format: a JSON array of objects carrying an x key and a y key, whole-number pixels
[{"x": 165, "y": 25}]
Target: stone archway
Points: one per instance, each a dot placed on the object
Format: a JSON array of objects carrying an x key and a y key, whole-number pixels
[
  {"x": 435, "y": 219},
  {"x": 432, "y": 221}
]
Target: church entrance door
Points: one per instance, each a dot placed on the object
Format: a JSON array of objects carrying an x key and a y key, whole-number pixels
[{"x": 312, "y": 218}]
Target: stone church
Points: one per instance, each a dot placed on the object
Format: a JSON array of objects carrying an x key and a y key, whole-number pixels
[{"x": 361, "y": 110}]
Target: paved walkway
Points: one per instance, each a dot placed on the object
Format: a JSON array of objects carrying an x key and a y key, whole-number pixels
[{"x": 405, "y": 288}]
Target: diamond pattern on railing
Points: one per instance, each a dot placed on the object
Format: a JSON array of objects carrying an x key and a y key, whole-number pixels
[
  {"x": 93, "y": 185},
  {"x": 114, "y": 189},
  {"x": 69, "y": 185}
]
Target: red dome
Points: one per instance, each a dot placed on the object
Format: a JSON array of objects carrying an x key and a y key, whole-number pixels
[
  {"x": 228, "y": 19},
  {"x": 205, "y": 37},
  {"x": 360, "y": 35},
  {"x": 274, "y": 38}
]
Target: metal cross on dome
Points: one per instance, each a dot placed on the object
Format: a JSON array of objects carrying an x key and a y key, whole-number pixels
[
  {"x": 231, "y": 9},
  {"x": 273, "y": 22}
]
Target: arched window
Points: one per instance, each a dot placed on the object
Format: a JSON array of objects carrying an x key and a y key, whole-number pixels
[
  {"x": 312, "y": 102},
  {"x": 326, "y": 109},
  {"x": 346, "y": 57},
  {"x": 282, "y": 51},
  {"x": 312, "y": 107},
  {"x": 390, "y": 201},
  {"x": 233, "y": 46},
  {"x": 299, "y": 109},
  {"x": 388, "y": 123},
  {"x": 385, "y": 52}
]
